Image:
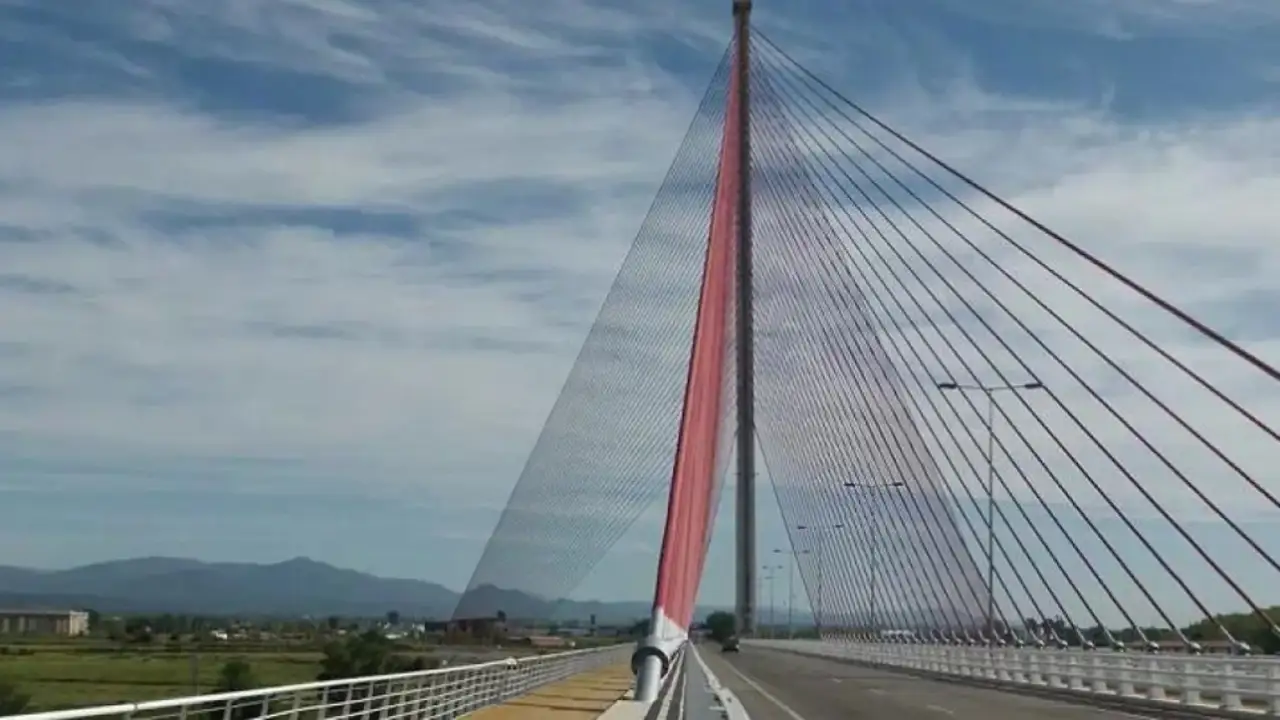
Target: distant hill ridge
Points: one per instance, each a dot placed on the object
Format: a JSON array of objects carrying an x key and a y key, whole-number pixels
[{"x": 296, "y": 587}]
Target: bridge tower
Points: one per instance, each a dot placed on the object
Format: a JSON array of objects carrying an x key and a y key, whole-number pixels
[{"x": 745, "y": 515}]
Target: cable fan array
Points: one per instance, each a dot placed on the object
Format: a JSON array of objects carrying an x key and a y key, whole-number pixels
[
  {"x": 975, "y": 428},
  {"x": 604, "y": 454}
]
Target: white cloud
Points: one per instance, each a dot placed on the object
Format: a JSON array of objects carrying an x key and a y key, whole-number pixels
[
  {"x": 1128, "y": 19},
  {"x": 422, "y": 360},
  {"x": 388, "y": 354}
]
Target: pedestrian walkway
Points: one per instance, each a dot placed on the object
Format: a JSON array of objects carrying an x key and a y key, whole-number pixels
[{"x": 583, "y": 696}]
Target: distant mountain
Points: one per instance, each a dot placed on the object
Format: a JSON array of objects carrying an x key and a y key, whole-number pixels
[
  {"x": 487, "y": 600},
  {"x": 292, "y": 588},
  {"x": 158, "y": 584}
]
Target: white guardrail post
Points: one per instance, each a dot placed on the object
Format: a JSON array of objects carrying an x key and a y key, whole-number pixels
[
  {"x": 1240, "y": 684},
  {"x": 445, "y": 693}
]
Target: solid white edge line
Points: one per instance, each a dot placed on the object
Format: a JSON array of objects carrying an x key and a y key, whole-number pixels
[{"x": 733, "y": 709}]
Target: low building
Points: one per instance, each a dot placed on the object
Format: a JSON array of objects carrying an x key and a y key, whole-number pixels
[{"x": 44, "y": 622}]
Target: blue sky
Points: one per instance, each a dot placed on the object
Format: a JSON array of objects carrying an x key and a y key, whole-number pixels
[{"x": 303, "y": 277}]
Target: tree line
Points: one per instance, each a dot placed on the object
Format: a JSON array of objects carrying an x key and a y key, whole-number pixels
[
  {"x": 139, "y": 628},
  {"x": 1247, "y": 627}
]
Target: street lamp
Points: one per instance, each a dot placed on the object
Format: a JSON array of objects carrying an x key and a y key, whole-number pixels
[
  {"x": 821, "y": 531},
  {"x": 989, "y": 391},
  {"x": 875, "y": 537},
  {"x": 791, "y": 586},
  {"x": 770, "y": 575}
]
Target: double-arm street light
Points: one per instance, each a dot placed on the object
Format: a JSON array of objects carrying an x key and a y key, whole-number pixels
[
  {"x": 874, "y": 489},
  {"x": 793, "y": 555},
  {"x": 821, "y": 531},
  {"x": 990, "y": 391}
]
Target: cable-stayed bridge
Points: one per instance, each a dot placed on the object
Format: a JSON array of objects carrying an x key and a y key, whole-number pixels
[{"x": 1000, "y": 460}]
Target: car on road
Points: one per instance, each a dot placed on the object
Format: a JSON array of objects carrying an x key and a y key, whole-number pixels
[{"x": 729, "y": 645}]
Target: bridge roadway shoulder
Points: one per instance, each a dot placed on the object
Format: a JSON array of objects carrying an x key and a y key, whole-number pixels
[
  {"x": 774, "y": 685},
  {"x": 588, "y": 695}
]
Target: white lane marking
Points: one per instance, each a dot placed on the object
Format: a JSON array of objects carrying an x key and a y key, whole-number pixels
[
  {"x": 836, "y": 680},
  {"x": 936, "y": 708},
  {"x": 765, "y": 693},
  {"x": 875, "y": 691}
]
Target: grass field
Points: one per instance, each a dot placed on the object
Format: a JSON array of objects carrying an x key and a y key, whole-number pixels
[{"x": 59, "y": 676}]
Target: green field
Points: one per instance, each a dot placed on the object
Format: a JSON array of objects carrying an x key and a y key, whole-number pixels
[
  {"x": 67, "y": 673},
  {"x": 62, "y": 675}
]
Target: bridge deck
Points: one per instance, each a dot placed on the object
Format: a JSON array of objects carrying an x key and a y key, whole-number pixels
[
  {"x": 587, "y": 695},
  {"x": 774, "y": 685}
]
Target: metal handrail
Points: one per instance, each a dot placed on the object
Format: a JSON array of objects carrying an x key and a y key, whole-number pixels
[{"x": 449, "y": 689}]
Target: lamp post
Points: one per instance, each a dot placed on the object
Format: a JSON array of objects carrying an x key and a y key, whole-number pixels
[
  {"x": 990, "y": 391},
  {"x": 770, "y": 575},
  {"x": 821, "y": 532},
  {"x": 875, "y": 536},
  {"x": 791, "y": 587}
]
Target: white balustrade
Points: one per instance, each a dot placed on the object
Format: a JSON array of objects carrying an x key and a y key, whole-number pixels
[
  {"x": 1239, "y": 683},
  {"x": 441, "y": 694}
]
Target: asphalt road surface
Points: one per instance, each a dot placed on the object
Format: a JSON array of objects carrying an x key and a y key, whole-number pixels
[{"x": 775, "y": 685}]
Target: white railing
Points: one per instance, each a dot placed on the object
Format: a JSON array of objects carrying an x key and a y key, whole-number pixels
[
  {"x": 1241, "y": 684},
  {"x": 442, "y": 694}
]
